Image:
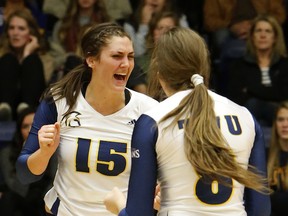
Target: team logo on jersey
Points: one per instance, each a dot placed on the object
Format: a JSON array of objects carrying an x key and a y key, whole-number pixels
[
  {"x": 71, "y": 119},
  {"x": 135, "y": 153}
]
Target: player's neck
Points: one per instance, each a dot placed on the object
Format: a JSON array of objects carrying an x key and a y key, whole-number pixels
[{"x": 106, "y": 103}]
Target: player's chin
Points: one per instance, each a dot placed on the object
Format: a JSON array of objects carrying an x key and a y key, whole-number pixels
[
  {"x": 120, "y": 85},
  {"x": 120, "y": 88}
]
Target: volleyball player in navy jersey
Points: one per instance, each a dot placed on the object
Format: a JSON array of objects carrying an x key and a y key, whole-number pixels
[
  {"x": 87, "y": 118},
  {"x": 197, "y": 144}
]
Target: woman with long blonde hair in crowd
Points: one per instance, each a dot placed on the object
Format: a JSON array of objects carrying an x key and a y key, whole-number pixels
[{"x": 278, "y": 160}]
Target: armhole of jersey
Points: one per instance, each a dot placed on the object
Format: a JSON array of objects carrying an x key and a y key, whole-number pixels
[{"x": 127, "y": 96}]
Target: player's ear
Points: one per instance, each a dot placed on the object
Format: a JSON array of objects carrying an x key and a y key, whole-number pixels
[{"x": 90, "y": 61}]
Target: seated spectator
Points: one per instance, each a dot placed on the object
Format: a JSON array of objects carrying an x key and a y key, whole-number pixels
[
  {"x": 229, "y": 22},
  {"x": 278, "y": 161},
  {"x": 22, "y": 71},
  {"x": 137, "y": 24},
  {"x": 67, "y": 32},
  {"x": 159, "y": 24},
  {"x": 259, "y": 80},
  {"x": 26, "y": 200},
  {"x": 118, "y": 11},
  {"x": 34, "y": 6}
]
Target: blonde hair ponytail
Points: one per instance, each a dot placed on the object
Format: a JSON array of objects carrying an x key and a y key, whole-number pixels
[{"x": 205, "y": 146}]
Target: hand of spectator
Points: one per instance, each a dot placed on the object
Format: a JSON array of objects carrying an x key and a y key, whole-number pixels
[
  {"x": 49, "y": 138},
  {"x": 31, "y": 46}
]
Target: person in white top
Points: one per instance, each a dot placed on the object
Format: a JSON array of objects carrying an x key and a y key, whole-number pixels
[
  {"x": 87, "y": 118},
  {"x": 206, "y": 152}
]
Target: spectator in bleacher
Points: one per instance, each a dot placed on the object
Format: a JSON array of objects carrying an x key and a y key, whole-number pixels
[
  {"x": 259, "y": 80},
  {"x": 229, "y": 22},
  {"x": 137, "y": 24},
  {"x": 118, "y": 11},
  {"x": 159, "y": 24},
  {"x": 23, "y": 73},
  {"x": 34, "y": 6},
  {"x": 19, "y": 199},
  {"x": 278, "y": 161},
  {"x": 68, "y": 31}
]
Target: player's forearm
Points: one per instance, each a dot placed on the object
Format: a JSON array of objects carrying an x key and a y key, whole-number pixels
[
  {"x": 24, "y": 173},
  {"x": 38, "y": 162}
]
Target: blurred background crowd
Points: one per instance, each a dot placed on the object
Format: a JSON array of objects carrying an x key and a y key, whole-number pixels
[{"x": 39, "y": 44}]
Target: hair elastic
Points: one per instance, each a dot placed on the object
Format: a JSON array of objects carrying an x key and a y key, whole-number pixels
[{"x": 197, "y": 79}]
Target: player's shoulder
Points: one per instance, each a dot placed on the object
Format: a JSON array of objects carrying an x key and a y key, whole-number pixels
[
  {"x": 225, "y": 107},
  {"x": 227, "y": 104}
]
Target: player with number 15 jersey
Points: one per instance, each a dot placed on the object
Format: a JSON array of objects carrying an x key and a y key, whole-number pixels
[{"x": 94, "y": 153}]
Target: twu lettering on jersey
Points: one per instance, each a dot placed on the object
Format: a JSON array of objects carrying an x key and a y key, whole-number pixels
[
  {"x": 71, "y": 119},
  {"x": 231, "y": 121}
]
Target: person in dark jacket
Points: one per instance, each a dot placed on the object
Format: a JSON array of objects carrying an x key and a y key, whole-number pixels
[
  {"x": 22, "y": 70},
  {"x": 259, "y": 80}
]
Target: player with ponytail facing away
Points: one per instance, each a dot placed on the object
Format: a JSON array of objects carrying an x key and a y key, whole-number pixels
[{"x": 206, "y": 152}]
